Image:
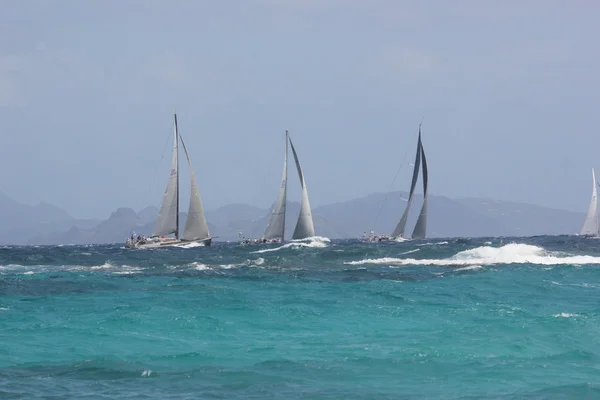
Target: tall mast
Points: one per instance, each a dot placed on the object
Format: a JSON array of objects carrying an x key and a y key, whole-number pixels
[{"x": 177, "y": 186}]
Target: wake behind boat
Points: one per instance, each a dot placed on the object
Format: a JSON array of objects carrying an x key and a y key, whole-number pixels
[
  {"x": 167, "y": 223},
  {"x": 419, "y": 232},
  {"x": 274, "y": 233}
]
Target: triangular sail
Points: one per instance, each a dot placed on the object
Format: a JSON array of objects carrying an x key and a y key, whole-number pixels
[
  {"x": 420, "y": 230},
  {"x": 276, "y": 227},
  {"x": 304, "y": 227},
  {"x": 168, "y": 216},
  {"x": 196, "y": 227},
  {"x": 399, "y": 231},
  {"x": 590, "y": 226}
]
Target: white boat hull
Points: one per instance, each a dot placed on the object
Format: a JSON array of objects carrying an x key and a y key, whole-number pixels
[
  {"x": 387, "y": 239},
  {"x": 166, "y": 243},
  {"x": 246, "y": 242}
]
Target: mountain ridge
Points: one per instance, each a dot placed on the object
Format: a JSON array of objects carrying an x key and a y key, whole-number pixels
[{"x": 463, "y": 217}]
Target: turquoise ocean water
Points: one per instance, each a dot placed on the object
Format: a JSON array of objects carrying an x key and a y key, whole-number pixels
[{"x": 435, "y": 319}]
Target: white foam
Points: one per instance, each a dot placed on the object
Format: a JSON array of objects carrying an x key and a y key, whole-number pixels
[
  {"x": 203, "y": 267},
  {"x": 12, "y": 266},
  {"x": 410, "y": 251},
  {"x": 108, "y": 267},
  {"x": 513, "y": 253},
  {"x": 296, "y": 244},
  {"x": 565, "y": 315},
  {"x": 199, "y": 266},
  {"x": 313, "y": 239},
  {"x": 433, "y": 244}
]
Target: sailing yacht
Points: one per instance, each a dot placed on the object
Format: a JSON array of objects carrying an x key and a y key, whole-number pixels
[
  {"x": 419, "y": 232},
  {"x": 274, "y": 232},
  {"x": 167, "y": 223},
  {"x": 590, "y": 225}
]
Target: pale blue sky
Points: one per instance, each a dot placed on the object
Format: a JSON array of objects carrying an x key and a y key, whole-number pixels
[{"x": 509, "y": 91}]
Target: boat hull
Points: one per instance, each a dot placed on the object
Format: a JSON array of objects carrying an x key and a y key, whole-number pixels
[
  {"x": 248, "y": 242},
  {"x": 380, "y": 239},
  {"x": 167, "y": 243}
]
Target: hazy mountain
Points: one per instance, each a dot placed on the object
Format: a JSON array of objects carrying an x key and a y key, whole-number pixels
[
  {"x": 527, "y": 219},
  {"x": 19, "y": 222},
  {"x": 380, "y": 212},
  {"x": 120, "y": 224},
  {"x": 148, "y": 214}
]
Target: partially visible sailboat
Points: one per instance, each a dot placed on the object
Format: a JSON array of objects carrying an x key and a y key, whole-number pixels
[
  {"x": 275, "y": 230},
  {"x": 591, "y": 227},
  {"x": 274, "y": 233},
  {"x": 420, "y": 229},
  {"x": 167, "y": 223}
]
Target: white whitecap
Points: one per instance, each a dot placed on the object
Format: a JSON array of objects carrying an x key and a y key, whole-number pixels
[{"x": 513, "y": 253}]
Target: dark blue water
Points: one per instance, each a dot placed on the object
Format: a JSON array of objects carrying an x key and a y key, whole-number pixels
[{"x": 436, "y": 319}]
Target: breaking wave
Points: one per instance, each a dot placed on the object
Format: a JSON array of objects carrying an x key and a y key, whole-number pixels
[
  {"x": 311, "y": 242},
  {"x": 513, "y": 253}
]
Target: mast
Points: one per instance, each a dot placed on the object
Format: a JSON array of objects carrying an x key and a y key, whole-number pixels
[
  {"x": 177, "y": 181},
  {"x": 276, "y": 225}
]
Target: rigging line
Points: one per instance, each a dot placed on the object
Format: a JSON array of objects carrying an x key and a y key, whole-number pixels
[{"x": 391, "y": 186}]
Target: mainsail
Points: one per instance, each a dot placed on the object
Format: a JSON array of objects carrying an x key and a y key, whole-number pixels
[
  {"x": 399, "y": 231},
  {"x": 590, "y": 226},
  {"x": 304, "y": 227},
  {"x": 196, "y": 227},
  {"x": 421, "y": 226},
  {"x": 168, "y": 216},
  {"x": 276, "y": 227}
]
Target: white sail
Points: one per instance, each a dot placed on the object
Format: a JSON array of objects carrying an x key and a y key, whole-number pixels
[
  {"x": 590, "y": 226},
  {"x": 196, "y": 227},
  {"x": 276, "y": 227},
  {"x": 420, "y": 231},
  {"x": 168, "y": 216},
  {"x": 304, "y": 227}
]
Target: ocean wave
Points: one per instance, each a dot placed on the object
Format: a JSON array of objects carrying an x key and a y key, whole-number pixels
[
  {"x": 566, "y": 315},
  {"x": 39, "y": 269},
  {"x": 433, "y": 244},
  {"x": 313, "y": 242},
  {"x": 321, "y": 239},
  {"x": 513, "y": 253},
  {"x": 200, "y": 266}
]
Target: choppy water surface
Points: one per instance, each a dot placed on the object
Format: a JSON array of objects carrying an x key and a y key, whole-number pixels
[{"x": 447, "y": 319}]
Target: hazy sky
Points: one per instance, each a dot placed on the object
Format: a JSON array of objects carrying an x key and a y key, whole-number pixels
[{"x": 509, "y": 92}]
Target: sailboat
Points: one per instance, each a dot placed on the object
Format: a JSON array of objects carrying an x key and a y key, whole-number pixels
[
  {"x": 590, "y": 225},
  {"x": 420, "y": 229},
  {"x": 167, "y": 223},
  {"x": 274, "y": 232}
]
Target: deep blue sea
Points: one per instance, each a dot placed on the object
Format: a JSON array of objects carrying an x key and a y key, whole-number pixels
[{"x": 492, "y": 318}]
